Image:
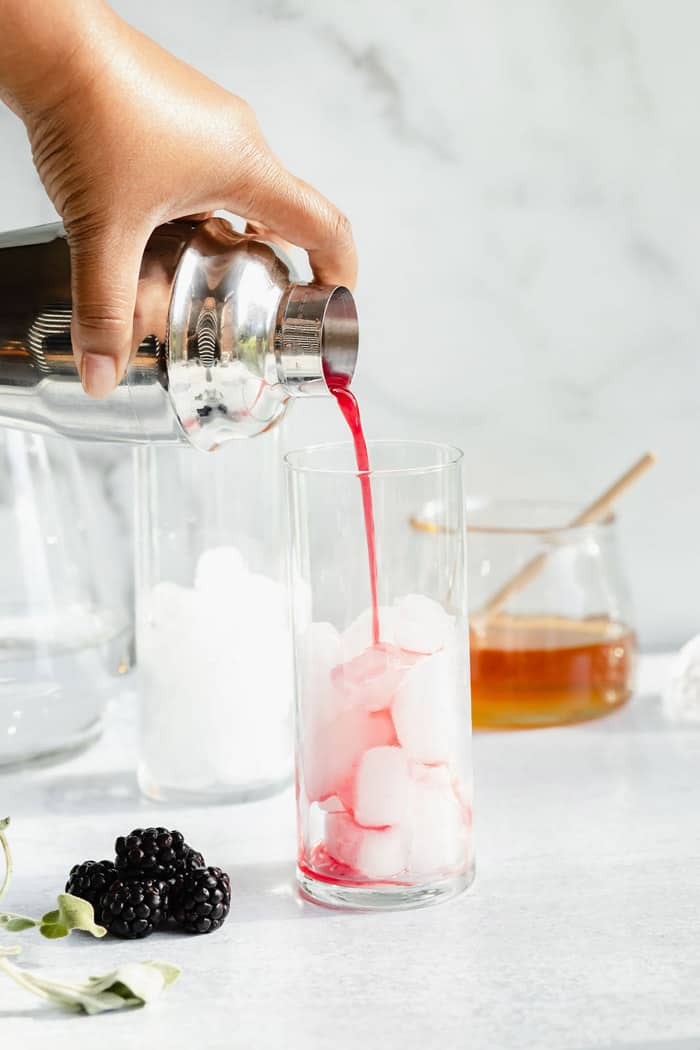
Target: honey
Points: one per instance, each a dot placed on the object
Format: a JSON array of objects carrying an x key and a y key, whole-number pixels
[{"x": 529, "y": 671}]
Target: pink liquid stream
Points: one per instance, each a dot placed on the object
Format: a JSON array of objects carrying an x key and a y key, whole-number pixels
[{"x": 347, "y": 403}]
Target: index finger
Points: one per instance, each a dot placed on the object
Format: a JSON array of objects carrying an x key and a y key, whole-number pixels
[{"x": 300, "y": 214}]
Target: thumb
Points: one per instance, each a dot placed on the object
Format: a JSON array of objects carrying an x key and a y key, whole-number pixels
[{"x": 105, "y": 266}]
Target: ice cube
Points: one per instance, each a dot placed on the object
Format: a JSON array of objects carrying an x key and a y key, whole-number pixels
[
  {"x": 371, "y": 679},
  {"x": 171, "y": 604},
  {"x": 342, "y": 838},
  {"x": 682, "y": 693},
  {"x": 264, "y": 595},
  {"x": 426, "y": 708},
  {"x": 320, "y": 652},
  {"x": 436, "y": 831},
  {"x": 219, "y": 568},
  {"x": 381, "y": 854},
  {"x": 252, "y": 605},
  {"x": 358, "y": 636},
  {"x": 421, "y": 625},
  {"x": 437, "y": 776},
  {"x": 332, "y": 805},
  {"x": 206, "y": 660},
  {"x": 382, "y": 786},
  {"x": 243, "y": 692},
  {"x": 332, "y": 750},
  {"x": 376, "y": 854}
]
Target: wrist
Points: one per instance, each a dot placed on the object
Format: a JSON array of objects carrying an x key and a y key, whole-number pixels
[{"x": 47, "y": 51}]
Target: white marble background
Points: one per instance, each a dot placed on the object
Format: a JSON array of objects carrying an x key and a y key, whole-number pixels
[{"x": 523, "y": 183}]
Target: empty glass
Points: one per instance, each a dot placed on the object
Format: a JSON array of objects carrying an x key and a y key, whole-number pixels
[
  {"x": 64, "y": 634},
  {"x": 383, "y": 729}
]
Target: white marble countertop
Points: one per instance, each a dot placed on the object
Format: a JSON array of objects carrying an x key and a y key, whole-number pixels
[{"x": 580, "y": 931}]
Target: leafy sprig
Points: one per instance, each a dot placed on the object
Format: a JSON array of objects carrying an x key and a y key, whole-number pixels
[{"x": 72, "y": 912}]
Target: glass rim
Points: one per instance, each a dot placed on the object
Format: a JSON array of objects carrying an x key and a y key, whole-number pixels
[
  {"x": 427, "y": 520},
  {"x": 454, "y": 456}
]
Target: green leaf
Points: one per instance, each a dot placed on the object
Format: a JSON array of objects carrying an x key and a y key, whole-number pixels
[
  {"x": 169, "y": 971},
  {"x": 53, "y": 931},
  {"x": 72, "y": 914},
  {"x": 15, "y": 923},
  {"x": 141, "y": 981},
  {"x": 134, "y": 984}
]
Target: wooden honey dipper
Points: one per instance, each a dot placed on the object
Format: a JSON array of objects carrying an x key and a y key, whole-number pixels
[{"x": 594, "y": 512}]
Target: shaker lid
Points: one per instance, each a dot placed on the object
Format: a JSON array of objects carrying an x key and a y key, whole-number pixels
[
  {"x": 243, "y": 338},
  {"x": 317, "y": 338}
]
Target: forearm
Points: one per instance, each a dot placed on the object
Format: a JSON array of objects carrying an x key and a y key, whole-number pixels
[{"x": 41, "y": 44}]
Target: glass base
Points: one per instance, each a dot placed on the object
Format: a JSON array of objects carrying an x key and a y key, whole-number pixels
[
  {"x": 217, "y": 793},
  {"x": 53, "y": 754},
  {"x": 387, "y": 897},
  {"x": 512, "y": 714}
]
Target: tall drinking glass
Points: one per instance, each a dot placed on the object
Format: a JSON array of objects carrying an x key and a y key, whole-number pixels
[
  {"x": 383, "y": 748},
  {"x": 213, "y": 637}
]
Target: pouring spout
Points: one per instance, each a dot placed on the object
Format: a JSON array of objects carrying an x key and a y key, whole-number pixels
[{"x": 316, "y": 339}]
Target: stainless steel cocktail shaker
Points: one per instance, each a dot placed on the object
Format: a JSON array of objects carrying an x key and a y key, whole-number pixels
[{"x": 224, "y": 335}]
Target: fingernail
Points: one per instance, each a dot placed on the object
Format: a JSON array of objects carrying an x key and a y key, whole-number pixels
[{"x": 98, "y": 374}]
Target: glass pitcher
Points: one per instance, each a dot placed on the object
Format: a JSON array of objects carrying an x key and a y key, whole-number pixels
[{"x": 64, "y": 632}]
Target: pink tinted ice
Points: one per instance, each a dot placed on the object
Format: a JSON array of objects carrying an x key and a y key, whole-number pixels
[
  {"x": 371, "y": 679},
  {"x": 382, "y": 787},
  {"x": 358, "y": 636},
  {"x": 421, "y": 625},
  {"x": 377, "y": 854},
  {"x": 424, "y": 710},
  {"x": 437, "y": 830},
  {"x": 332, "y": 751},
  {"x": 381, "y": 745}
]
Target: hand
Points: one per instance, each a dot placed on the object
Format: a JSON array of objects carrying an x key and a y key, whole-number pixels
[{"x": 125, "y": 137}]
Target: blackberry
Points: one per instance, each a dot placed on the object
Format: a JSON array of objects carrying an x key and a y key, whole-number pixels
[
  {"x": 90, "y": 879},
  {"x": 133, "y": 908},
  {"x": 201, "y": 900},
  {"x": 155, "y": 853}
]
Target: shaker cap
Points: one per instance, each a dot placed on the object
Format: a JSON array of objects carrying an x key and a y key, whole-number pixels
[
  {"x": 243, "y": 339},
  {"x": 317, "y": 337}
]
